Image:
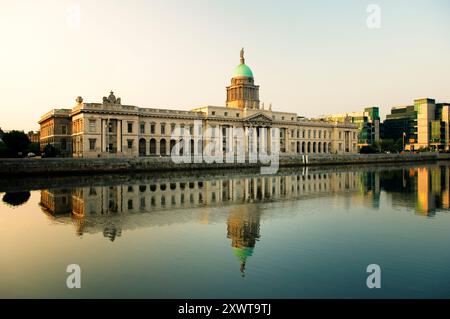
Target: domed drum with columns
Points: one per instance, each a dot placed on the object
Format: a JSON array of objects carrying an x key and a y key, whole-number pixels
[{"x": 243, "y": 93}]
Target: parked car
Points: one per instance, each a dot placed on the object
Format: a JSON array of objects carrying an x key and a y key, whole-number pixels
[{"x": 31, "y": 154}]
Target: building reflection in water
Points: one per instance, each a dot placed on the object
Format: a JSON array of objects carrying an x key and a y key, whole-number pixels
[
  {"x": 427, "y": 188},
  {"x": 112, "y": 209},
  {"x": 243, "y": 230}
]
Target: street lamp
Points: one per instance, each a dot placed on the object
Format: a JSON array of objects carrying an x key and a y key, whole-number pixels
[{"x": 404, "y": 135}]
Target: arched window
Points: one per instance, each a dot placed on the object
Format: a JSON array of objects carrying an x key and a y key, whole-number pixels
[
  {"x": 162, "y": 147},
  {"x": 142, "y": 147},
  {"x": 152, "y": 146},
  {"x": 172, "y": 145}
]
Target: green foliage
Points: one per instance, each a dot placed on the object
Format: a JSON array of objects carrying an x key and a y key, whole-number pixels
[
  {"x": 370, "y": 149},
  {"x": 4, "y": 150},
  {"x": 49, "y": 151},
  {"x": 391, "y": 146},
  {"x": 16, "y": 199},
  {"x": 17, "y": 142},
  {"x": 34, "y": 148}
]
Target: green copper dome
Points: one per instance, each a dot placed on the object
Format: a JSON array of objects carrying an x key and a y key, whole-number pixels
[
  {"x": 243, "y": 253},
  {"x": 242, "y": 70}
]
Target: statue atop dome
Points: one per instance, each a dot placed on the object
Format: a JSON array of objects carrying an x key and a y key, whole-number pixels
[{"x": 242, "y": 56}]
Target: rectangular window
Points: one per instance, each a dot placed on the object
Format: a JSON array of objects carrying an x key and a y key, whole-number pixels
[
  {"x": 152, "y": 128},
  {"x": 340, "y": 136},
  {"x": 237, "y": 114},
  {"x": 92, "y": 144},
  {"x": 130, "y": 144},
  {"x": 225, "y": 113},
  {"x": 213, "y": 113},
  {"x": 130, "y": 127},
  {"x": 191, "y": 130},
  {"x": 91, "y": 126},
  {"x": 163, "y": 129},
  {"x": 63, "y": 129},
  {"x": 63, "y": 144},
  {"x": 142, "y": 128}
]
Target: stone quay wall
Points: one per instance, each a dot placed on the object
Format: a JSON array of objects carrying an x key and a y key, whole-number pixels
[{"x": 74, "y": 166}]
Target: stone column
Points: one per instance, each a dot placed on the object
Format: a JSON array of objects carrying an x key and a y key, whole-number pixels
[
  {"x": 158, "y": 150},
  {"x": 104, "y": 128},
  {"x": 119, "y": 136},
  {"x": 246, "y": 144}
]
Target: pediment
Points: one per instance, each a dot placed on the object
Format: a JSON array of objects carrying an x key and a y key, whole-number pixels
[{"x": 258, "y": 118}]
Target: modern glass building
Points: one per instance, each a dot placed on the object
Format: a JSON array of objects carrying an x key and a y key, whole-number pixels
[{"x": 425, "y": 124}]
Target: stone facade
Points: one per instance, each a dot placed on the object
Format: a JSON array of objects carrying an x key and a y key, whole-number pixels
[
  {"x": 368, "y": 123},
  {"x": 56, "y": 130},
  {"x": 113, "y": 129}
]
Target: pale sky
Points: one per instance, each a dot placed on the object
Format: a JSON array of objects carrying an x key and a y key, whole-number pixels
[{"x": 309, "y": 57}]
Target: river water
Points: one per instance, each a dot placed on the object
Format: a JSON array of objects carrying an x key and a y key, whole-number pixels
[{"x": 302, "y": 233}]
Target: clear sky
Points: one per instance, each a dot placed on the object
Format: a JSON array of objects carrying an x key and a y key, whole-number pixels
[{"x": 309, "y": 57}]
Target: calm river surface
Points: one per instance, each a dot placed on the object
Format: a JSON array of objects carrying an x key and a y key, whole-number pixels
[{"x": 303, "y": 233}]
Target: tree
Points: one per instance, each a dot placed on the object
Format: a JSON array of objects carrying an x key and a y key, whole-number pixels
[
  {"x": 4, "y": 150},
  {"x": 16, "y": 198},
  {"x": 34, "y": 148},
  {"x": 49, "y": 151},
  {"x": 368, "y": 149},
  {"x": 16, "y": 141},
  {"x": 389, "y": 145}
]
